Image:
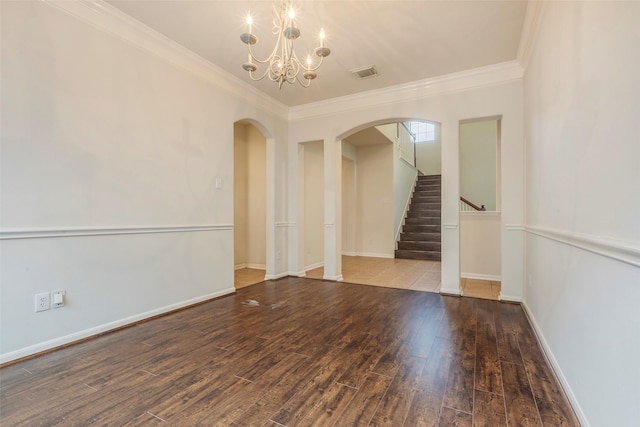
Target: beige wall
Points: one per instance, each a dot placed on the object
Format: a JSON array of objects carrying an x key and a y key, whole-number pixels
[
  {"x": 428, "y": 157},
  {"x": 375, "y": 233},
  {"x": 239, "y": 195},
  {"x": 478, "y": 148},
  {"x": 313, "y": 204},
  {"x": 480, "y": 245},
  {"x": 349, "y": 206},
  {"x": 249, "y": 197}
]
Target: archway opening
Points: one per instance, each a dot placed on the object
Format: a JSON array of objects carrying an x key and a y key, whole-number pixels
[{"x": 250, "y": 204}]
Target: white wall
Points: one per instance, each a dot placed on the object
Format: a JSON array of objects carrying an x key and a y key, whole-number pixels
[
  {"x": 480, "y": 245},
  {"x": 478, "y": 162},
  {"x": 313, "y": 204},
  {"x": 111, "y": 147},
  {"x": 374, "y": 195},
  {"x": 583, "y": 173}
]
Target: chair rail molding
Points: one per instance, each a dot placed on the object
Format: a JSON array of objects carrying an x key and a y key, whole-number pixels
[
  {"x": 627, "y": 252},
  {"x": 43, "y": 233}
]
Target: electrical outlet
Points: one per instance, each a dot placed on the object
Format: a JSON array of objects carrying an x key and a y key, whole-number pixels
[
  {"x": 43, "y": 302},
  {"x": 57, "y": 299}
]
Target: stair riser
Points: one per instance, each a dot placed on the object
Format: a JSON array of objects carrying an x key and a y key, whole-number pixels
[
  {"x": 424, "y": 199},
  {"x": 419, "y": 220},
  {"x": 423, "y": 193},
  {"x": 429, "y": 256},
  {"x": 431, "y": 229},
  {"x": 419, "y": 237},
  {"x": 423, "y": 214},
  {"x": 424, "y": 206},
  {"x": 419, "y": 246}
]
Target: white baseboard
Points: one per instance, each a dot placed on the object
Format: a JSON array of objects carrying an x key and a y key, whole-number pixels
[
  {"x": 337, "y": 278},
  {"x": 481, "y": 276},
  {"x": 450, "y": 291},
  {"x": 546, "y": 350},
  {"x": 509, "y": 298},
  {"x": 349, "y": 253},
  {"x": 314, "y": 266},
  {"x": 239, "y": 266},
  {"x": 96, "y": 330},
  {"x": 256, "y": 266},
  {"x": 298, "y": 273},
  {"x": 374, "y": 254},
  {"x": 276, "y": 276}
]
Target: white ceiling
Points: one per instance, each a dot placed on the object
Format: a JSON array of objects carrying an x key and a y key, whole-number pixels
[{"x": 406, "y": 40}]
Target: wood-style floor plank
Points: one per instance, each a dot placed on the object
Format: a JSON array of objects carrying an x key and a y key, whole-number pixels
[{"x": 311, "y": 353}]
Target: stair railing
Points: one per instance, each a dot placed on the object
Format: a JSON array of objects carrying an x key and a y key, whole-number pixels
[{"x": 467, "y": 206}]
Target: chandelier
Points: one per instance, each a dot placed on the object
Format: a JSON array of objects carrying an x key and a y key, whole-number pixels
[{"x": 283, "y": 64}]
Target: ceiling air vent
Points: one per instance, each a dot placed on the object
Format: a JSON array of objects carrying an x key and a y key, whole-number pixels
[{"x": 364, "y": 72}]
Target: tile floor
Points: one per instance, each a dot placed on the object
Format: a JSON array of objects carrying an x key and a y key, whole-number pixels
[
  {"x": 486, "y": 289},
  {"x": 390, "y": 273},
  {"x": 247, "y": 276}
]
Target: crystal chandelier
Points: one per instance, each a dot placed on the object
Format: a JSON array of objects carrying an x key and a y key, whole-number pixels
[{"x": 283, "y": 64}]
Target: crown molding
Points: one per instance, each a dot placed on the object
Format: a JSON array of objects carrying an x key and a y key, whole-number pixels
[
  {"x": 104, "y": 17},
  {"x": 532, "y": 20},
  {"x": 450, "y": 83}
]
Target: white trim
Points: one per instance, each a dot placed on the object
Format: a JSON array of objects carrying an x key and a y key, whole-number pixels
[
  {"x": 509, "y": 298},
  {"x": 532, "y": 20},
  {"x": 453, "y": 292},
  {"x": 349, "y": 253},
  {"x": 239, "y": 266},
  {"x": 449, "y": 226},
  {"x": 256, "y": 266},
  {"x": 285, "y": 224},
  {"x": 35, "y": 233},
  {"x": 276, "y": 276},
  {"x": 546, "y": 350},
  {"x": 449, "y": 83},
  {"x": 480, "y": 213},
  {"x": 96, "y": 330},
  {"x": 337, "y": 278},
  {"x": 298, "y": 273},
  {"x": 376, "y": 255},
  {"x": 619, "y": 250},
  {"x": 104, "y": 17},
  {"x": 329, "y": 225},
  {"x": 514, "y": 227},
  {"x": 479, "y": 276},
  {"x": 313, "y": 266}
]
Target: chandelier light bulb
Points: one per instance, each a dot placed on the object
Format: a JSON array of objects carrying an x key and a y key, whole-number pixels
[{"x": 292, "y": 13}]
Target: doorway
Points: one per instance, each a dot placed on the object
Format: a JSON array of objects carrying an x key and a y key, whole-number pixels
[
  {"x": 480, "y": 216},
  {"x": 249, "y": 200}
]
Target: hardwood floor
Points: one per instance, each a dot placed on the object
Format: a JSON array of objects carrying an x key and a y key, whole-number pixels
[{"x": 299, "y": 352}]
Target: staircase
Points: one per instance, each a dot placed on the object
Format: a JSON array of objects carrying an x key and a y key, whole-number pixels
[{"x": 420, "y": 237}]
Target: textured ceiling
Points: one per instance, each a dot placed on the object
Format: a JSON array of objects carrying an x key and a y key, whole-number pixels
[{"x": 406, "y": 40}]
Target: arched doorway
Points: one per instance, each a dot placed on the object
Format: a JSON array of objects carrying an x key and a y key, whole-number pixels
[{"x": 250, "y": 204}]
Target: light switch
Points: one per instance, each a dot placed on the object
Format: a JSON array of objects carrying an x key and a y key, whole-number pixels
[{"x": 218, "y": 183}]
